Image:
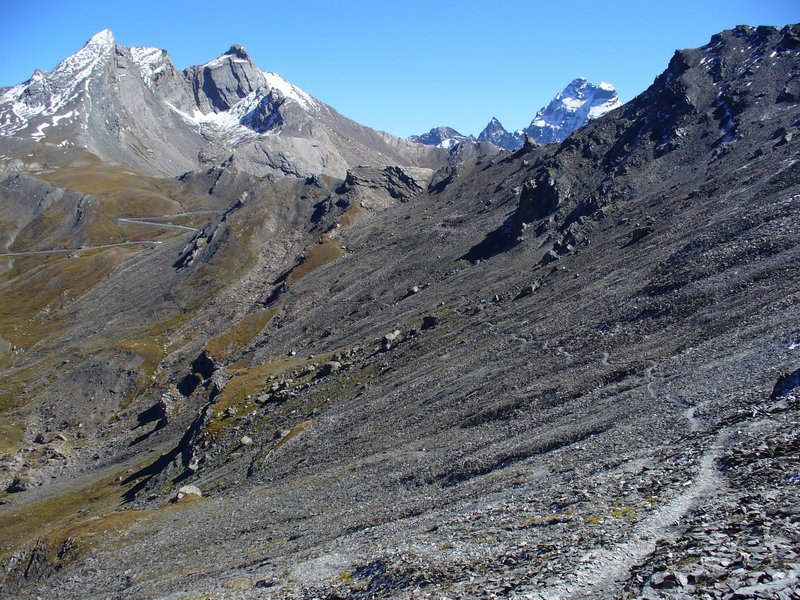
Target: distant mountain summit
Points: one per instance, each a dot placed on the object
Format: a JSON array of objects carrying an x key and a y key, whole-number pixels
[
  {"x": 132, "y": 106},
  {"x": 443, "y": 137},
  {"x": 495, "y": 133},
  {"x": 577, "y": 104}
]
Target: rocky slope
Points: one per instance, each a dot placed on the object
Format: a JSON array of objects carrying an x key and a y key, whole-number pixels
[
  {"x": 570, "y": 371},
  {"x": 131, "y": 106}
]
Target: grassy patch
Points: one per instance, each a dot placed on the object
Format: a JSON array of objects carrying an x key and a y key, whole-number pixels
[
  {"x": 349, "y": 216},
  {"x": 243, "y": 383},
  {"x": 82, "y": 515},
  {"x": 223, "y": 345},
  {"x": 624, "y": 512},
  {"x": 11, "y": 432},
  {"x": 152, "y": 351},
  {"x": 317, "y": 256},
  {"x": 76, "y": 512},
  {"x": 47, "y": 284}
]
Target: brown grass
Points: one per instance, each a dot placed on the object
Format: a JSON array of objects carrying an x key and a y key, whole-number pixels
[
  {"x": 350, "y": 215},
  {"x": 50, "y": 280},
  {"x": 245, "y": 382},
  {"x": 317, "y": 256},
  {"x": 293, "y": 433},
  {"x": 223, "y": 345},
  {"x": 74, "y": 513},
  {"x": 151, "y": 349}
]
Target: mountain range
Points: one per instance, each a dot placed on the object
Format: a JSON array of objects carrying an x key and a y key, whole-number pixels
[
  {"x": 131, "y": 106},
  {"x": 573, "y": 107},
  {"x": 252, "y": 349}
]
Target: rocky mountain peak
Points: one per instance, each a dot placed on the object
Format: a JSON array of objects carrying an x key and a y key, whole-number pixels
[
  {"x": 219, "y": 84},
  {"x": 238, "y": 51},
  {"x": 443, "y": 137},
  {"x": 495, "y": 133},
  {"x": 102, "y": 39},
  {"x": 577, "y": 104}
]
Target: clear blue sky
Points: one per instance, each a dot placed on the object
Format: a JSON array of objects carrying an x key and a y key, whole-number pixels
[{"x": 402, "y": 67}]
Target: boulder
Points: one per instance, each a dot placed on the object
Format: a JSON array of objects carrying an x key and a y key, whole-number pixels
[
  {"x": 188, "y": 492},
  {"x": 430, "y": 322},
  {"x": 389, "y": 339}
]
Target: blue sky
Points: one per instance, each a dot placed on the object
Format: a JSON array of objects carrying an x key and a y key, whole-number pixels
[{"x": 402, "y": 67}]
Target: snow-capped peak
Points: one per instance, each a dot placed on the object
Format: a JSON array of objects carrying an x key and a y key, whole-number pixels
[
  {"x": 151, "y": 62},
  {"x": 577, "y": 104},
  {"x": 48, "y": 94},
  {"x": 495, "y": 133},
  {"x": 103, "y": 38}
]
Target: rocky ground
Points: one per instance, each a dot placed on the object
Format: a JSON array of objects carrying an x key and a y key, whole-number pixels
[{"x": 564, "y": 372}]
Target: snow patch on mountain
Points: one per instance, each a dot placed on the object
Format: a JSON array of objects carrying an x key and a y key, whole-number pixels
[
  {"x": 442, "y": 137},
  {"x": 151, "y": 62},
  {"x": 291, "y": 92},
  {"x": 46, "y": 94}
]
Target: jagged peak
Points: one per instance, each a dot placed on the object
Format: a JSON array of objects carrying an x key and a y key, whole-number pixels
[{"x": 238, "y": 51}]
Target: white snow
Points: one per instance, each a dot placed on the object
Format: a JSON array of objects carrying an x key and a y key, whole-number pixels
[
  {"x": 54, "y": 90},
  {"x": 39, "y": 134},
  {"x": 608, "y": 87},
  {"x": 220, "y": 60},
  {"x": 290, "y": 92},
  {"x": 67, "y": 115},
  {"x": 572, "y": 104},
  {"x": 151, "y": 62},
  {"x": 226, "y": 122},
  {"x": 600, "y": 109},
  {"x": 448, "y": 143}
]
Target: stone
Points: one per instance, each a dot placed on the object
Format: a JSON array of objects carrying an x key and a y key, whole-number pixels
[
  {"x": 664, "y": 579},
  {"x": 430, "y": 322},
  {"x": 246, "y": 440},
  {"x": 188, "y": 492},
  {"x": 330, "y": 367},
  {"x": 389, "y": 339},
  {"x": 640, "y": 233},
  {"x": 20, "y": 483},
  {"x": 550, "y": 256}
]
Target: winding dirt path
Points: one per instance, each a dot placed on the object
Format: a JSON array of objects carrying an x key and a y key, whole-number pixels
[{"x": 600, "y": 570}]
